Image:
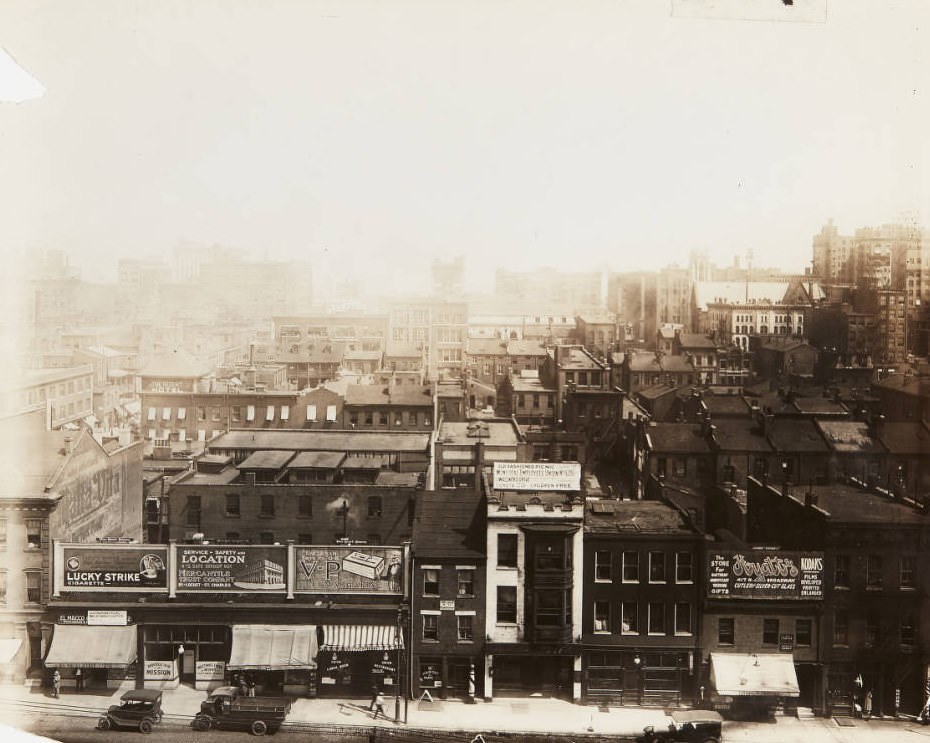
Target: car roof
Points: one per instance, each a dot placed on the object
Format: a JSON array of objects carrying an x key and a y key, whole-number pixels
[
  {"x": 142, "y": 695},
  {"x": 696, "y": 715}
]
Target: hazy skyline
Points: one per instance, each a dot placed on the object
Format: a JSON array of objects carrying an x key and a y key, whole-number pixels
[{"x": 371, "y": 137}]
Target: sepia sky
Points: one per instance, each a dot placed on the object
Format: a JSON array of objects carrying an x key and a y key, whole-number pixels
[{"x": 370, "y": 137}]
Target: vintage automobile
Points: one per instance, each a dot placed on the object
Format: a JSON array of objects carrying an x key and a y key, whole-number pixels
[
  {"x": 138, "y": 708},
  {"x": 686, "y": 726},
  {"x": 227, "y": 709}
]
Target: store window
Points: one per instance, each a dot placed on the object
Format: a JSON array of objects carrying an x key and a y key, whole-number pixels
[
  {"x": 431, "y": 627},
  {"x": 631, "y": 567},
  {"x": 431, "y": 582},
  {"x": 602, "y": 616},
  {"x": 726, "y": 631},
  {"x": 466, "y": 581},
  {"x": 465, "y": 627},
  {"x": 507, "y": 550},
  {"x": 506, "y": 604}
]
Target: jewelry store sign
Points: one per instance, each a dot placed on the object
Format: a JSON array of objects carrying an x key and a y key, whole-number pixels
[
  {"x": 754, "y": 574},
  {"x": 241, "y": 569},
  {"x": 550, "y": 476}
]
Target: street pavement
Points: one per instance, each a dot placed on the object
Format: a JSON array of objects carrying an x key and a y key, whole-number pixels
[{"x": 20, "y": 706}]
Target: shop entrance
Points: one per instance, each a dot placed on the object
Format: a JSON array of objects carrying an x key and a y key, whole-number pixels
[{"x": 548, "y": 676}]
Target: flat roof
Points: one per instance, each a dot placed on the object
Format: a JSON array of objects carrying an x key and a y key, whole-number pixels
[
  {"x": 346, "y": 441},
  {"x": 647, "y": 517},
  {"x": 495, "y": 433},
  {"x": 316, "y": 459},
  {"x": 852, "y": 504},
  {"x": 266, "y": 460}
]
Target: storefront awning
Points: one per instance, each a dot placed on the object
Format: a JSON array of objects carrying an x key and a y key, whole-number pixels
[
  {"x": 359, "y": 637},
  {"x": 8, "y": 650},
  {"x": 92, "y": 647},
  {"x": 754, "y": 674},
  {"x": 273, "y": 647}
]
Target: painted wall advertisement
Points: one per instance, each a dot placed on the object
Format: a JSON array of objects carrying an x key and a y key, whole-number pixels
[
  {"x": 752, "y": 574},
  {"x": 349, "y": 569},
  {"x": 133, "y": 568},
  {"x": 537, "y": 476},
  {"x": 232, "y": 569}
]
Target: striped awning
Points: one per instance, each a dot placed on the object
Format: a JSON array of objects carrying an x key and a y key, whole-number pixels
[
  {"x": 359, "y": 637},
  {"x": 263, "y": 647},
  {"x": 92, "y": 647}
]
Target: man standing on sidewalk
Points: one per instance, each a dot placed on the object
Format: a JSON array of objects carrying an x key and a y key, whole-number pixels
[
  {"x": 379, "y": 706},
  {"x": 78, "y": 680}
]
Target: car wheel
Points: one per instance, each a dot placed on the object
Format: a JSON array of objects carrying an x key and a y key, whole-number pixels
[
  {"x": 259, "y": 727},
  {"x": 711, "y": 740},
  {"x": 145, "y": 726},
  {"x": 201, "y": 723},
  {"x": 103, "y": 724}
]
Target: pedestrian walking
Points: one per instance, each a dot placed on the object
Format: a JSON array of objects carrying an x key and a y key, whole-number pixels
[
  {"x": 78, "y": 680},
  {"x": 379, "y": 706},
  {"x": 56, "y": 684},
  {"x": 374, "y": 696},
  {"x": 867, "y": 705}
]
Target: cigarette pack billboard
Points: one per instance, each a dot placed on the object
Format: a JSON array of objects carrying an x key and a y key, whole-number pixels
[
  {"x": 111, "y": 568},
  {"x": 349, "y": 569},
  {"x": 751, "y": 574},
  {"x": 556, "y": 476},
  {"x": 239, "y": 569}
]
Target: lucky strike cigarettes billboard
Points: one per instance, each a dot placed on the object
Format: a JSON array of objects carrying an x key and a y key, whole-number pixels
[
  {"x": 752, "y": 574},
  {"x": 349, "y": 569},
  {"x": 115, "y": 568}
]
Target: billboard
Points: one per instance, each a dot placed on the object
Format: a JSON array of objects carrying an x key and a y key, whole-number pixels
[
  {"x": 751, "y": 574},
  {"x": 239, "y": 569},
  {"x": 349, "y": 569},
  {"x": 111, "y": 568},
  {"x": 555, "y": 476}
]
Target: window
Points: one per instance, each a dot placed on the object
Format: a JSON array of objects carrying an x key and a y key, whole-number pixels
[
  {"x": 841, "y": 628},
  {"x": 3, "y": 531},
  {"x": 726, "y": 631},
  {"x": 369, "y": 418},
  {"x": 33, "y": 586},
  {"x": 305, "y": 506},
  {"x": 374, "y": 506},
  {"x": 656, "y": 618},
  {"x": 250, "y": 413},
  {"x": 166, "y": 414},
  {"x": 769, "y": 631},
  {"x": 431, "y": 581},
  {"x": 873, "y": 572},
  {"x": 266, "y": 537},
  {"x": 236, "y": 411},
  {"x": 33, "y": 533},
  {"x": 507, "y": 550},
  {"x": 330, "y": 413},
  {"x": 267, "y": 505},
  {"x": 311, "y": 412},
  {"x": 430, "y": 626},
  {"x": 682, "y": 618},
  {"x": 285, "y": 412},
  {"x": 232, "y": 504},
  {"x": 465, "y": 627},
  {"x": 202, "y": 414},
  {"x": 841, "y": 572},
  {"x": 657, "y": 567},
  {"x": 908, "y": 629},
  {"x": 466, "y": 582},
  {"x": 193, "y": 511},
  {"x": 631, "y": 567},
  {"x": 150, "y": 416},
  {"x": 684, "y": 567},
  {"x": 602, "y": 565},
  {"x": 803, "y": 633},
  {"x": 906, "y": 573},
  {"x": 2, "y": 586},
  {"x": 871, "y": 630},
  {"x": 629, "y": 618},
  {"x": 269, "y": 413},
  {"x": 304, "y": 538},
  {"x": 602, "y": 616},
  {"x": 679, "y": 467},
  {"x": 506, "y": 604}
]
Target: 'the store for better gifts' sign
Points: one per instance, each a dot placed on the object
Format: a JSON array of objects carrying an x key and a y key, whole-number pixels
[{"x": 755, "y": 574}]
